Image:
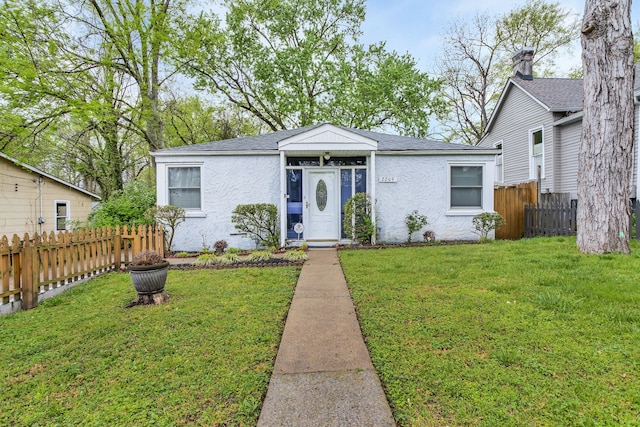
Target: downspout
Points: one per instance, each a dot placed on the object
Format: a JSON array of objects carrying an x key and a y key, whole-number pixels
[
  {"x": 373, "y": 196},
  {"x": 40, "y": 218},
  {"x": 283, "y": 200}
]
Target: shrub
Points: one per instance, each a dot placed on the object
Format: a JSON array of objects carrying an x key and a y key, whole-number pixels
[
  {"x": 234, "y": 251},
  {"x": 487, "y": 221},
  {"x": 147, "y": 258},
  {"x": 220, "y": 246},
  {"x": 259, "y": 221},
  {"x": 429, "y": 235},
  {"x": 206, "y": 259},
  {"x": 260, "y": 256},
  {"x": 169, "y": 217},
  {"x": 414, "y": 222},
  {"x": 358, "y": 224},
  {"x": 126, "y": 207},
  {"x": 296, "y": 255}
]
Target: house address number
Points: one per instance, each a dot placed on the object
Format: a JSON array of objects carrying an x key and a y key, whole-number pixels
[{"x": 388, "y": 179}]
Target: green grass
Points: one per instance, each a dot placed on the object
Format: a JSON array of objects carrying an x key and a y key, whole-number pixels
[
  {"x": 203, "y": 358},
  {"x": 526, "y": 333}
]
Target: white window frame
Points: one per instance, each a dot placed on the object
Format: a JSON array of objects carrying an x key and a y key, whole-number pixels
[
  {"x": 188, "y": 211},
  {"x": 533, "y": 174},
  {"x": 67, "y": 217},
  {"x": 486, "y": 198},
  {"x": 499, "y": 164}
]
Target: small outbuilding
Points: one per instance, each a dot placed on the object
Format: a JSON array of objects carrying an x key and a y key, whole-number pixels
[{"x": 309, "y": 173}]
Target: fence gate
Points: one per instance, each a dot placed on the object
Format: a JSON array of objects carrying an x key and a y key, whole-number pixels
[{"x": 510, "y": 202}]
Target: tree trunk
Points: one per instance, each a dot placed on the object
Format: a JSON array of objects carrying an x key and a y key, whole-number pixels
[
  {"x": 606, "y": 159},
  {"x": 153, "y": 299}
]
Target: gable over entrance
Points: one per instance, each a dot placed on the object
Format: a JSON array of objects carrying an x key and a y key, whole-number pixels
[{"x": 328, "y": 138}]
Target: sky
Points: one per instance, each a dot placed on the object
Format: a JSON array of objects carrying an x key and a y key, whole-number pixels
[{"x": 416, "y": 26}]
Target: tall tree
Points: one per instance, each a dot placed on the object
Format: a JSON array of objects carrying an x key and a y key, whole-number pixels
[
  {"x": 293, "y": 63},
  {"x": 476, "y": 60},
  {"x": 141, "y": 36},
  {"x": 606, "y": 158},
  {"x": 193, "y": 120}
]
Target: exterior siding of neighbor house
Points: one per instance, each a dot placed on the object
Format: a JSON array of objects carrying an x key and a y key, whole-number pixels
[
  {"x": 566, "y": 158},
  {"x": 286, "y": 168},
  {"x": 26, "y": 196},
  {"x": 227, "y": 181},
  {"x": 528, "y": 102},
  {"x": 520, "y": 115}
]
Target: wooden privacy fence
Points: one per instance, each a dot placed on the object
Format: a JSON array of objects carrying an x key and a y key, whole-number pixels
[
  {"x": 559, "y": 219},
  {"x": 510, "y": 202},
  {"x": 43, "y": 262},
  {"x": 550, "y": 219}
]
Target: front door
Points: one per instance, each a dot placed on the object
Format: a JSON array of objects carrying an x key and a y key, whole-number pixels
[{"x": 321, "y": 202}]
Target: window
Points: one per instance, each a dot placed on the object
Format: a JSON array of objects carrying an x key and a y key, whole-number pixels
[
  {"x": 184, "y": 187},
  {"x": 536, "y": 138},
  {"x": 466, "y": 186},
  {"x": 499, "y": 168},
  {"x": 62, "y": 215}
]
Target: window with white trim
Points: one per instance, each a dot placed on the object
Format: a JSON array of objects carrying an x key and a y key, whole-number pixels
[
  {"x": 62, "y": 214},
  {"x": 536, "y": 151},
  {"x": 184, "y": 185},
  {"x": 499, "y": 165},
  {"x": 466, "y": 186}
]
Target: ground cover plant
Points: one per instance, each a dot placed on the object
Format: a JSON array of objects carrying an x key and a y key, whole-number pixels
[
  {"x": 525, "y": 333},
  {"x": 203, "y": 358}
]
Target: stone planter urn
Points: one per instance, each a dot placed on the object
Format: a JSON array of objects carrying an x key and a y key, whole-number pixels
[
  {"x": 149, "y": 274},
  {"x": 149, "y": 279}
]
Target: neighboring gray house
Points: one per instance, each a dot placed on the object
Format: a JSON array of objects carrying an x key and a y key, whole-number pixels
[
  {"x": 538, "y": 122},
  {"x": 309, "y": 174}
]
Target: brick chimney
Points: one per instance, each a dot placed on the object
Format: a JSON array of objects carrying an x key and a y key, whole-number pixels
[{"x": 523, "y": 63}]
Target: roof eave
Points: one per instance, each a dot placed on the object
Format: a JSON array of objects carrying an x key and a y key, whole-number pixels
[{"x": 51, "y": 177}]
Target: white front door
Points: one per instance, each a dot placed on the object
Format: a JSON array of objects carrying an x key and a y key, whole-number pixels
[{"x": 321, "y": 202}]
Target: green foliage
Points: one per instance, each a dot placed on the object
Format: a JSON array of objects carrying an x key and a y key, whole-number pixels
[
  {"x": 128, "y": 206},
  {"x": 414, "y": 222},
  {"x": 234, "y": 251},
  {"x": 358, "y": 224},
  {"x": 259, "y": 221},
  {"x": 296, "y": 255},
  {"x": 91, "y": 357},
  {"x": 303, "y": 63},
  {"x": 257, "y": 256},
  {"x": 486, "y": 222},
  {"x": 170, "y": 217},
  {"x": 516, "y": 333}
]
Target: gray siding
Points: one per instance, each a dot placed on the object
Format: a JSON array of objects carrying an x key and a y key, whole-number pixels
[
  {"x": 519, "y": 113},
  {"x": 566, "y": 158}
]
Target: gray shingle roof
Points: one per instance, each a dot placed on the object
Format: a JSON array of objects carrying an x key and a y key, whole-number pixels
[
  {"x": 558, "y": 95},
  {"x": 269, "y": 142}
]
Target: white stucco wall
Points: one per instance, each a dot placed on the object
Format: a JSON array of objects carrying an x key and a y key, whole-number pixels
[
  {"x": 423, "y": 184},
  {"x": 227, "y": 181}
]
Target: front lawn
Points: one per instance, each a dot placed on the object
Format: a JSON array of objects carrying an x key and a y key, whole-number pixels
[
  {"x": 203, "y": 358},
  {"x": 526, "y": 333}
]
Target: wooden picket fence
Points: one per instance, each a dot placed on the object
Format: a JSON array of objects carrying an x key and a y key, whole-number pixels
[{"x": 36, "y": 264}]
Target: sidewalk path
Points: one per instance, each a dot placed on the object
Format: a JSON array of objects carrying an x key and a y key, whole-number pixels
[{"x": 323, "y": 375}]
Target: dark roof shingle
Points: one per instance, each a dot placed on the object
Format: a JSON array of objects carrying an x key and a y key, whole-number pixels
[{"x": 557, "y": 94}]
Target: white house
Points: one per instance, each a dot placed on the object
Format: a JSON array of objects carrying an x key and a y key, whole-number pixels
[{"x": 309, "y": 174}]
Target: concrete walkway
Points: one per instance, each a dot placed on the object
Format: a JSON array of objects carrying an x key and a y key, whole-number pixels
[{"x": 323, "y": 375}]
